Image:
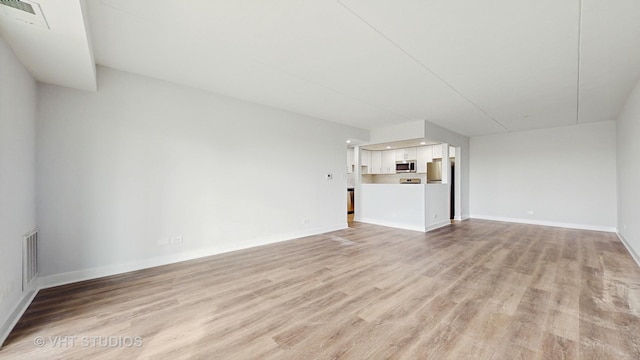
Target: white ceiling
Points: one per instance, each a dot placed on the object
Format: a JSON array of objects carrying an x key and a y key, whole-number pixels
[{"x": 474, "y": 67}]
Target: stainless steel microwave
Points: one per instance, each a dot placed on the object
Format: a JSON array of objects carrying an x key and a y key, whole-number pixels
[{"x": 406, "y": 166}]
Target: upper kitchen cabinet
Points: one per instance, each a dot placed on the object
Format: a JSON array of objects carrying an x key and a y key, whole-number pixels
[
  {"x": 376, "y": 162},
  {"x": 383, "y": 162},
  {"x": 424, "y": 155},
  {"x": 406, "y": 154},
  {"x": 365, "y": 159},
  {"x": 389, "y": 162},
  {"x": 437, "y": 151},
  {"x": 350, "y": 160}
]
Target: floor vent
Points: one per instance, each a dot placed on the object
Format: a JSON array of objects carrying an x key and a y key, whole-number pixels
[{"x": 29, "y": 259}]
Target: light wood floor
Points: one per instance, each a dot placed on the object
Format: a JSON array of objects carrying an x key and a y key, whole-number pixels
[{"x": 474, "y": 290}]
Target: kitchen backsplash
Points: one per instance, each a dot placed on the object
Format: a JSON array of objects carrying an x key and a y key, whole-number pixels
[{"x": 391, "y": 178}]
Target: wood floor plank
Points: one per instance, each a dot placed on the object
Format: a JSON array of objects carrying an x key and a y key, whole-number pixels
[
  {"x": 557, "y": 347},
  {"x": 473, "y": 290},
  {"x": 544, "y": 275}
]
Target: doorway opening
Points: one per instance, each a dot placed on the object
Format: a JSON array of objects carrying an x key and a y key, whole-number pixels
[
  {"x": 455, "y": 187},
  {"x": 350, "y": 204},
  {"x": 452, "y": 191}
]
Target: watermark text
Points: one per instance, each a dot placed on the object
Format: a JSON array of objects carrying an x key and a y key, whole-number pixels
[{"x": 71, "y": 341}]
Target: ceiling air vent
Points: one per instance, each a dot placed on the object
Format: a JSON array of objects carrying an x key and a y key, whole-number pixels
[
  {"x": 20, "y": 5},
  {"x": 23, "y": 11}
]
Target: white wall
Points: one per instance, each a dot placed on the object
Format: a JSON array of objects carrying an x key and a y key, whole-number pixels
[
  {"x": 143, "y": 160},
  {"x": 435, "y": 132},
  {"x": 17, "y": 178},
  {"x": 398, "y": 132},
  {"x": 628, "y": 125},
  {"x": 566, "y": 176}
]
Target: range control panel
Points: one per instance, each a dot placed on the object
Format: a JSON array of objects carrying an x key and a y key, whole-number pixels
[{"x": 410, "y": 181}]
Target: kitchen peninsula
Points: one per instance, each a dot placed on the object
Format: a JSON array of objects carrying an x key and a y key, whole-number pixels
[
  {"x": 419, "y": 207},
  {"x": 384, "y": 197}
]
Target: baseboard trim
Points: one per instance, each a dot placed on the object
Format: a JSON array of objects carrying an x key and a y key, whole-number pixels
[
  {"x": 16, "y": 314},
  {"x": 45, "y": 282},
  {"x": 546, "y": 223},
  {"x": 392, "y": 224},
  {"x": 626, "y": 244},
  {"x": 437, "y": 225},
  {"x": 115, "y": 269}
]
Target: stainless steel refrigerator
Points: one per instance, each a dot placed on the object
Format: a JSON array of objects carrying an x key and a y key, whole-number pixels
[{"x": 434, "y": 172}]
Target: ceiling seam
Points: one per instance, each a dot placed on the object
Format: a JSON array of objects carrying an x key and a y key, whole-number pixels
[
  {"x": 421, "y": 64},
  {"x": 579, "y": 62}
]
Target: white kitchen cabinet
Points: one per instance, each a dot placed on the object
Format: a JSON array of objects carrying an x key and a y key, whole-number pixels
[
  {"x": 399, "y": 154},
  {"x": 437, "y": 151},
  {"x": 389, "y": 162},
  {"x": 365, "y": 159},
  {"x": 411, "y": 154},
  {"x": 424, "y": 155},
  {"x": 406, "y": 154},
  {"x": 376, "y": 162},
  {"x": 350, "y": 160}
]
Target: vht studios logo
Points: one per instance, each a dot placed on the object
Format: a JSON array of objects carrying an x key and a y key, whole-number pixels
[{"x": 88, "y": 341}]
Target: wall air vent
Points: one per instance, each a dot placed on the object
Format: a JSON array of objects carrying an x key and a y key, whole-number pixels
[
  {"x": 23, "y": 11},
  {"x": 29, "y": 259}
]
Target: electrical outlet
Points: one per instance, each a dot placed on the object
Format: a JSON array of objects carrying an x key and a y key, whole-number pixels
[
  {"x": 162, "y": 242},
  {"x": 176, "y": 240},
  {"x": 530, "y": 212},
  {"x": 306, "y": 221},
  {"x": 435, "y": 216}
]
